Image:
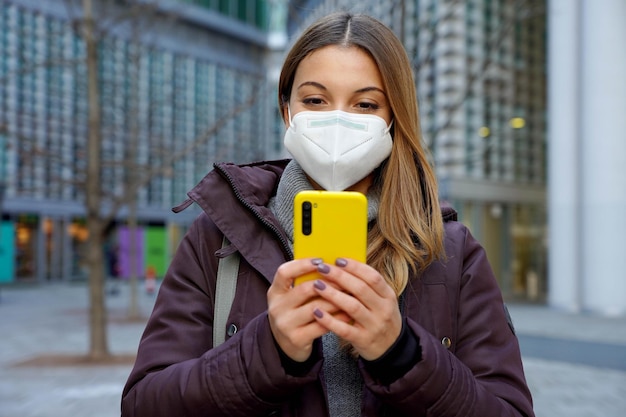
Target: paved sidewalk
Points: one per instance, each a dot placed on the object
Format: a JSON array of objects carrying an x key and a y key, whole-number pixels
[
  {"x": 560, "y": 386},
  {"x": 52, "y": 319}
]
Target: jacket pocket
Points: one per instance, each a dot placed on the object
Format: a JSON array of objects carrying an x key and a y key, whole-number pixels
[{"x": 437, "y": 300}]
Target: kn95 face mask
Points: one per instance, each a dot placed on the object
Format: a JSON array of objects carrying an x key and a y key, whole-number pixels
[{"x": 338, "y": 149}]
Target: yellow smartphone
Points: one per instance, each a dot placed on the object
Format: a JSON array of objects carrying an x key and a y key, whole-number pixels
[{"x": 328, "y": 225}]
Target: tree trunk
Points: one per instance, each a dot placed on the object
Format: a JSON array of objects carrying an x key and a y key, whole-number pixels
[
  {"x": 98, "y": 347},
  {"x": 133, "y": 307},
  {"x": 132, "y": 173}
]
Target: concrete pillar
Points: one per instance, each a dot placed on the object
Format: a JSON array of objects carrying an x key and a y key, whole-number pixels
[
  {"x": 603, "y": 117},
  {"x": 587, "y": 155},
  {"x": 564, "y": 274}
]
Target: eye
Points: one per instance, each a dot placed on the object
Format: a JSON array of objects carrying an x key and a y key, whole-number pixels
[
  {"x": 367, "y": 106},
  {"x": 313, "y": 101}
]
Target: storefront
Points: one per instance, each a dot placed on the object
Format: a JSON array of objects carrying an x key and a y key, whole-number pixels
[
  {"x": 510, "y": 222},
  {"x": 37, "y": 248},
  {"x": 514, "y": 237},
  {"x": 26, "y": 243}
]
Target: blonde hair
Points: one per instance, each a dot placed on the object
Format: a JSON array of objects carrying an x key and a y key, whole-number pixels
[{"x": 408, "y": 233}]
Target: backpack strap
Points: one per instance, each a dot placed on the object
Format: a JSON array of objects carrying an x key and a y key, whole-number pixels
[{"x": 225, "y": 286}]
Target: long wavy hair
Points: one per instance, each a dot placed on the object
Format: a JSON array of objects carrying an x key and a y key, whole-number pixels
[{"x": 408, "y": 233}]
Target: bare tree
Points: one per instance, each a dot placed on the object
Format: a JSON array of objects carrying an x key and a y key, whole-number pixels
[
  {"x": 98, "y": 346},
  {"x": 93, "y": 21},
  {"x": 138, "y": 175}
]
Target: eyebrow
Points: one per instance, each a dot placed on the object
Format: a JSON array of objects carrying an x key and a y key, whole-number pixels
[
  {"x": 313, "y": 84},
  {"x": 372, "y": 88},
  {"x": 322, "y": 87}
]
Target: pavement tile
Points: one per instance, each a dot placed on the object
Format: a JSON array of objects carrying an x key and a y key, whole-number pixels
[{"x": 52, "y": 319}]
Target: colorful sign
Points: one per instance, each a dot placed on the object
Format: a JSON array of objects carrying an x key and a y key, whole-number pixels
[
  {"x": 156, "y": 249},
  {"x": 7, "y": 252},
  {"x": 131, "y": 252}
]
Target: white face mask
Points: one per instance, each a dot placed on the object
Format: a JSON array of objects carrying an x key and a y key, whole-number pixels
[{"x": 338, "y": 149}]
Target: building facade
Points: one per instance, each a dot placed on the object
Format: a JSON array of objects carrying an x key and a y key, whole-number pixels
[
  {"x": 180, "y": 69},
  {"x": 188, "y": 78},
  {"x": 481, "y": 81},
  {"x": 480, "y": 73}
]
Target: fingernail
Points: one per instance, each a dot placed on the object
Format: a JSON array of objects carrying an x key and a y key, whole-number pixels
[
  {"x": 318, "y": 313},
  {"x": 317, "y": 261},
  {"x": 341, "y": 262},
  {"x": 323, "y": 268},
  {"x": 319, "y": 285}
]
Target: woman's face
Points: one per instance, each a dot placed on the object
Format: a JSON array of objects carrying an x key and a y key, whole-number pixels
[{"x": 339, "y": 78}]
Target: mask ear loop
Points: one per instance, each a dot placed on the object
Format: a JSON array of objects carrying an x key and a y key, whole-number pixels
[
  {"x": 289, "y": 114},
  {"x": 388, "y": 130}
]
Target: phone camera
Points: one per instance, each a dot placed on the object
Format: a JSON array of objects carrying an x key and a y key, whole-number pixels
[{"x": 306, "y": 218}]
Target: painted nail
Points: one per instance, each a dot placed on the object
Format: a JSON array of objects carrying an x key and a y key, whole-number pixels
[
  {"x": 341, "y": 262},
  {"x": 323, "y": 268},
  {"x": 318, "y": 313},
  {"x": 319, "y": 285},
  {"x": 317, "y": 261}
]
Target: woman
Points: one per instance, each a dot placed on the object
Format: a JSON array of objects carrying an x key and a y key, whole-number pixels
[{"x": 420, "y": 330}]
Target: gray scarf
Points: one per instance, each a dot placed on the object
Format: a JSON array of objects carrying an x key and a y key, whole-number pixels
[
  {"x": 343, "y": 379},
  {"x": 291, "y": 183}
]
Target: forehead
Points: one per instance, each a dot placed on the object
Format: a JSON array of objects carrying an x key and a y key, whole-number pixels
[{"x": 332, "y": 65}]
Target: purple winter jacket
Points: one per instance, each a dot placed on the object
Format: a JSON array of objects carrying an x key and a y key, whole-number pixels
[{"x": 470, "y": 366}]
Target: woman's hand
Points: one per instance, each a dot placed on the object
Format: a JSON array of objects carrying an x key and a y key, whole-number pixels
[
  {"x": 363, "y": 294},
  {"x": 290, "y": 309}
]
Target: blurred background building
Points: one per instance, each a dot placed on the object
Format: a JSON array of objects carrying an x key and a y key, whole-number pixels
[
  {"x": 201, "y": 74},
  {"x": 173, "y": 75}
]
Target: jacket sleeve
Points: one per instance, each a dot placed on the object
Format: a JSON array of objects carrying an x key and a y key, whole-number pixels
[
  {"x": 177, "y": 373},
  {"x": 484, "y": 376}
]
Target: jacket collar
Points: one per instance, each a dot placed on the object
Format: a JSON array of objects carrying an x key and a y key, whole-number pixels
[
  {"x": 447, "y": 212},
  {"x": 236, "y": 197}
]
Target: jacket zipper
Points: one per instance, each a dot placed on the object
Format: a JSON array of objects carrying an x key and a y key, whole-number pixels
[{"x": 249, "y": 206}]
